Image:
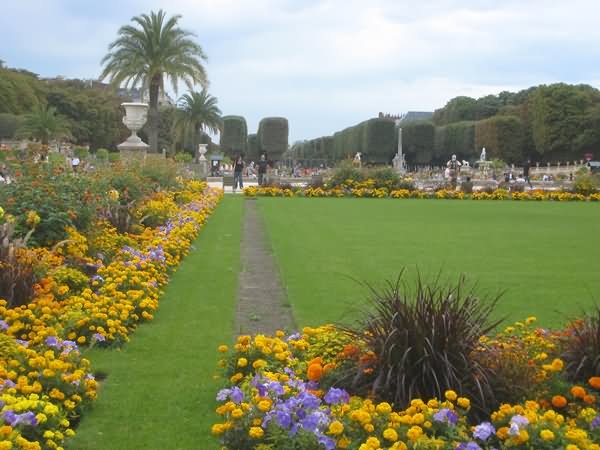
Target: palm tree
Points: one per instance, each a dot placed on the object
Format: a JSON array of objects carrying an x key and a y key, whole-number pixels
[
  {"x": 197, "y": 112},
  {"x": 44, "y": 124},
  {"x": 154, "y": 50}
]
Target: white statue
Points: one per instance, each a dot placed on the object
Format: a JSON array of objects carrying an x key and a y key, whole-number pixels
[
  {"x": 453, "y": 167},
  {"x": 465, "y": 164},
  {"x": 482, "y": 156},
  {"x": 356, "y": 160}
]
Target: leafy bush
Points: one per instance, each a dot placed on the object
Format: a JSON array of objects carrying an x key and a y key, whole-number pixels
[
  {"x": 183, "y": 157},
  {"x": 422, "y": 340},
  {"x": 586, "y": 183},
  {"x": 114, "y": 157},
  {"x": 345, "y": 172},
  {"x": 59, "y": 199},
  {"x": 17, "y": 276},
  {"x": 582, "y": 348},
  {"x": 81, "y": 152},
  {"x": 162, "y": 173},
  {"x": 102, "y": 154}
]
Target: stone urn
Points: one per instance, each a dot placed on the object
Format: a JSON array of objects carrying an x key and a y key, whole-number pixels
[{"x": 136, "y": 115}]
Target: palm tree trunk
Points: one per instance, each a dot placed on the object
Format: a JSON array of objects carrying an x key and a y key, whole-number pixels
[{"x": 153, "y": 114}]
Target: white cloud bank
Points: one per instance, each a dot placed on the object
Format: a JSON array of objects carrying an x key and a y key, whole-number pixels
[{"x": 328, "y": 64}]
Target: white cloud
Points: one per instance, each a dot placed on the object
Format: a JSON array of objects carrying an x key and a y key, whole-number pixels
[{"x": 328, "y": 64}]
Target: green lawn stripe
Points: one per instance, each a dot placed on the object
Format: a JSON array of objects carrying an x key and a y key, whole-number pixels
[
  {"x": 159, "y": 393},
  {"x": 544, "y": 254}
]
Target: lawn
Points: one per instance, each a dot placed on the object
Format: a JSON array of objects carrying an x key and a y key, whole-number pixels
[
  {"x": 159, "y": 393},
  {"x": 543, "y": 255}
]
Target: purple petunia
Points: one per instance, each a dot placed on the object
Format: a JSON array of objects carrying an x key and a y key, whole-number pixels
[
  {"x": 446, "y": 415},
  {"x": 483, "y": 431},
  {"x": 595, "y": 423},
  {"x": 468, "y": 446},
  {"x": 336, "y": 396},
  {"x": 14, "y": 419},
  {"x": 3, "y": 325},
  {"x": 517, "y": 422},
  {"x": 99, "y": 337}
]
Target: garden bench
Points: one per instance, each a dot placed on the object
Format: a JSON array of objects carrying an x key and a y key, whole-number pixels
[{"x": 227, "y": 181}]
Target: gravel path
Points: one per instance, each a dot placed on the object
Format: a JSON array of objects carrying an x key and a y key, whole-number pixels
[{"x": 262, "y": 305}]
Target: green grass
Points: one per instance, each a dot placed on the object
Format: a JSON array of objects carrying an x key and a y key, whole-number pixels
[
  {"x": 159, "y": 393},
  {"x": 545, "y": 255}
]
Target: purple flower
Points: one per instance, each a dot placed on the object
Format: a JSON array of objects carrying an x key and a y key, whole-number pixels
[
  {"x": 3, "y": 325},
  {"x": 52, "y": 341},
  {"x": 483, "y": 431},
  {"x": 7, "y": 384},
  {"x": 595, "y": 423},
  {"x": 446, "y": 415},
  {"x": 336, "y": 396},
  {"x": 516, "y": 423},
  {"x": 14, "y": 419},
  {"x": 223, "y": 394},
  {"x": 237, "y": 396},
  {"x": 468, "y": 446},
  {"x": 23, "y": 342},
  {"x": 98, "y": 337}
]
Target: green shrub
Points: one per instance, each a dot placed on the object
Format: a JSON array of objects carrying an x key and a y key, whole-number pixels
[
  {"x": 102, "y": 154},
  {"x": 81, "y": 152},
  {"x": 183, "y": 157},
  {"x": 114, "y": 157},
  {"x": 423, "y": 339},
  {"x": 69, "y": 276},
  {"x": 418, "y": 141},
  {"x": 252, "y": 148},
  {"x": 234, "y": 136},
  {"x": 586, "y": 183},
  {"x": 582, "y": 348},
  {"x": 163, "y": 174},
  {"x": 345, "y": 172},
  {"x": 273, "y": 134},
  {"x": 385, "y": 178}
]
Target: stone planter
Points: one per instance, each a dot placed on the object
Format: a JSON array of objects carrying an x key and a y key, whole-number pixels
[{"x": 136, "y": 115}]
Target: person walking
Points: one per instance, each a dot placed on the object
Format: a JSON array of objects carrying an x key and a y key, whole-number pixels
[
  {"x": 262, "y": 169},
  {"x": 526, "y": 167},
  {"x": 238, "y": 169}
]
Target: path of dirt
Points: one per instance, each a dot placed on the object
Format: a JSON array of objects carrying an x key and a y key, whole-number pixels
[{"x": 262, "y": 307}]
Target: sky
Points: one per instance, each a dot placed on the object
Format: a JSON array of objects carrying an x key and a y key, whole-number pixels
[{"x": 329, "y": 64}]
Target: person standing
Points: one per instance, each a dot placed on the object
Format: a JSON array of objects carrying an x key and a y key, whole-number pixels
[
  {"x": 526, "y": 167},
  {"x": 238, "y": 168},
  {"x": 262, "y": 169}
]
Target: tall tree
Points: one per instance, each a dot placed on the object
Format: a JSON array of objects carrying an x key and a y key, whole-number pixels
[
  {"x": 43, "y": 124},
  {"x": 147, "y": 54},
  {"x": 198, "y": 112}
]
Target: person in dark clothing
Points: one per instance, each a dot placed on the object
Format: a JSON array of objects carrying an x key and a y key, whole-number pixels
[
  {"x": 238, "y": 168},
  {"x": 262, "y": 169},
  {"x": 526, "y": 167}
]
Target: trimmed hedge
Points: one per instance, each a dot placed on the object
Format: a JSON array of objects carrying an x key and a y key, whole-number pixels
[
  {"x": 375, "y": 139},
  {"x": 418, "y": 141},
  {"x": 234, "y": 135},
  {"x": 9, "y": 124},
  {"x": 273, "y": 133},
  {"x": 252, "y": 148},
  {"x": 455, "y": 139},
  {"x": 503, "y": 138}
]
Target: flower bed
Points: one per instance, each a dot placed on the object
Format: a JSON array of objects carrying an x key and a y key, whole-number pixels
[
  {"x": 363, "y": 190},
  {"x": 286, "y": 391},
  {"x": 91, "y": 289}
]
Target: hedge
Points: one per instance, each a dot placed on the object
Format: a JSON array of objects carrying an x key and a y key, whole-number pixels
[
  {"x": 252, "y": 148},
  {"x": 273, "y": 135},
  {"x": 9, "y": 124},
  {"x": 375, "y": 139},
  {"x": 455, "y": 139},
  {"x": 418, "y": 140},
  {"x": 503, "y": 138},
  {"x": 234, "y": 135}
]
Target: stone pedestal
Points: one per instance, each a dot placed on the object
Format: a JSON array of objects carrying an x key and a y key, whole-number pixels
[
  {"x": 136, "y": 115},
  {"x": 202, "y": 161}
]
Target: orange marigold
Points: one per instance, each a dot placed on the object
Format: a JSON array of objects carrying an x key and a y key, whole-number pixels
[
  {"x": 589, "y": 399},
  {"x": 578, "y": 392},
  {"x": 558, "y": 401},
  {"x": 594, "y": 382},
  {"x": 314, "y": 372}
]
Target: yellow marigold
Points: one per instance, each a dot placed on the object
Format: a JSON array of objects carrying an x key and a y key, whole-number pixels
[
  {"x": 264, "y": 405},
  {"x": 237, "y": 413},
  {"x": 223, "y": 349},
  {"x": 373, "y": 443},
  {"x": 336, "y": 428},
  {"x": 369, "y": 427},
  {"x": 242, "y": 362},
  {"x": 384, "y": 408},
  {"x": 547, "y": 435},
  {"x": 390, "y": 434},
  {"x": 557, "y": 365},
  {"x": 344, "y": 443},
  {"x": 450, "y": 395},
  {"x": 463, "y": 402},
  {"x": 218, "y": 428},
  {"x": 259, "y": 364},
  {"x": 414, "y": 433},
  {"x": 256, "y": 432}
]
